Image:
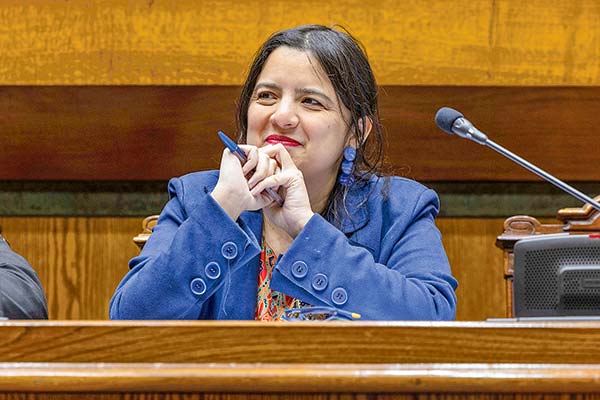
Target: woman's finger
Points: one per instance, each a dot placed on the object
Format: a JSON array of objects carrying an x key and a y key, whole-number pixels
[
  {"x": 262, "y": 169},
  {"x": 252, "y": 155},
  {"x": 284, "y": 179},
  {"x": 280, "y": 153},
  {"x": 273, "y": 166}
]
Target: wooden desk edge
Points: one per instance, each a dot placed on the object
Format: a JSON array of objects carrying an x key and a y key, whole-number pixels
[
  {"x": 102, "y": 377},
  {"x": 235, "y": 325}
]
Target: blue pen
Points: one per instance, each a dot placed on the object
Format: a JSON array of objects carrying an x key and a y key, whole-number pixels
[{"x": 239, "y": 153}]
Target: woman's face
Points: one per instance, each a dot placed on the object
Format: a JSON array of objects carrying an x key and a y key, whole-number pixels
[{"x": 295, "y": 104}]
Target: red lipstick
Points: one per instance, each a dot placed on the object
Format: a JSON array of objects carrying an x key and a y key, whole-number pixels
[{"x": 284, "y": 140}]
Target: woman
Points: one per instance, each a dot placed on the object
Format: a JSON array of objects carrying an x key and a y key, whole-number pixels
[{"x": 345, "y": 238}]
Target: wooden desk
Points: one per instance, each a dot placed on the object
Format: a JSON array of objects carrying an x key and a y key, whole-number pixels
[{"x": 156, "y": 360}]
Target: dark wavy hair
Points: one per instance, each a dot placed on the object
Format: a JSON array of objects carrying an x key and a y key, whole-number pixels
[{"x": 344, "y": 60}]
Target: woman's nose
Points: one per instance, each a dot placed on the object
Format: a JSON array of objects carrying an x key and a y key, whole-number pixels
[{"x": 285, "y": 116}]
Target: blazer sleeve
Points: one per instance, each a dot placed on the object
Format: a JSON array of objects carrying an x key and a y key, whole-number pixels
[
  {"x": 21, "y": 293},
  {"x": 409, "y": 280},
  {"x": 185, "y": 261}
]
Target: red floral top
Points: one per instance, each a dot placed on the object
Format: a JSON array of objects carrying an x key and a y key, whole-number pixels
[{"x": 271, "y": 305}]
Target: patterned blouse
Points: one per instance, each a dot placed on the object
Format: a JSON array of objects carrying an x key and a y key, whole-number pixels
[{"x": 271, "y": 305}]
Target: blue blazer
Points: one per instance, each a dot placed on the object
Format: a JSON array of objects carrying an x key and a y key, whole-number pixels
[{"x": 386, "y": 261}]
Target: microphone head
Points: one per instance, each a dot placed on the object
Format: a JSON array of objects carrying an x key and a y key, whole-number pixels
[{"x": 445, "y": 117}]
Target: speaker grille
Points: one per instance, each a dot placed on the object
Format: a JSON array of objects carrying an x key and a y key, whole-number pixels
[
  {"x": 578, "y": 295},
  {"x": 541, "y": 277}
]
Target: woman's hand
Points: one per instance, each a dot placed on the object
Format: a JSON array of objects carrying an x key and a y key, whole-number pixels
[
  {"x": 232, "y": 191},
  {"x": 296, "y": 210}
]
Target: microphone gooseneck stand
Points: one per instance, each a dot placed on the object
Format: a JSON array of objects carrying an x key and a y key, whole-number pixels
[{"x": 453, "y": 122}]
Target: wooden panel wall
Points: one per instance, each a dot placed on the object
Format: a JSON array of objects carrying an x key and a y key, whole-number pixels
[
  {"x": 437, "y": 42},
  {"x": 80, "y": 261},
  {"x": 157, "y": 132},
  {"x": 489, "y": 59}
]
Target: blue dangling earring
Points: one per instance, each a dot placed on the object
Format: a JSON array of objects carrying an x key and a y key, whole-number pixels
[{"x": 346, "y": 177}]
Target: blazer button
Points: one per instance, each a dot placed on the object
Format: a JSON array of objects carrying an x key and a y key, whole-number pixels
[
  {"x": 339, "y": 296},
  {"x": 198, "y": 286},
  {"x": 229, "y": 250},
  {"x": 212, "y": 270},
  {"x": 319, "y": 282},
  {"x": 299, "y": 269}
]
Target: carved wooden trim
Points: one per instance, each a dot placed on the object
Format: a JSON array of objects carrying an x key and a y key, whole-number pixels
[
  {"x": 521, "y": 226},
  {"x": 585, "y": 218},
  {"x": 147, "y": 225},
  {"x": 585, "y": 212},
  {"x": 526, "y": 225}
]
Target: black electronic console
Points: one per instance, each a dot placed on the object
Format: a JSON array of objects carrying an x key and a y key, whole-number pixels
[{"x": 557, "y": 275}]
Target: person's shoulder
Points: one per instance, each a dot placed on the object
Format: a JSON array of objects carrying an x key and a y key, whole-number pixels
[
  {"x": 8, "y": 256},
  {"x": 190, "y": 188},
  {"x": 398, "y": 187},
  {"x": 14, "y": 264},
  {"x": 199, "y": 178},
  {"x": 195, "y": 181},
  {"x": 402, "y": 194}
]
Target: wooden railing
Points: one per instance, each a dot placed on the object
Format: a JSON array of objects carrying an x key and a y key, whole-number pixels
[{"x": 112, "y": 359}]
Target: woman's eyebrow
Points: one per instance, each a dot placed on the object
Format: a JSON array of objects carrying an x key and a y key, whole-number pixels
[
  {"x": 313, "y": 92},
  {"x": 266, "y": 85},
  {"x": 299, "y": 91}
]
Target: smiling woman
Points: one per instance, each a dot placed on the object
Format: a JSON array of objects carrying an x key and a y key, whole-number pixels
[
  {"x": 302, "y": 112},
  {"x": 347, "y": 243}
]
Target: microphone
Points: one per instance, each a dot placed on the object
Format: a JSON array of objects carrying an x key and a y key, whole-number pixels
[{"x": 453, "y": 122}]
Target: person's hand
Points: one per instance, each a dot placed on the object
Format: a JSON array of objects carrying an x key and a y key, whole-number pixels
[
  {"x": 296, "y": 210},
  {"x": 232, "y": 191}
]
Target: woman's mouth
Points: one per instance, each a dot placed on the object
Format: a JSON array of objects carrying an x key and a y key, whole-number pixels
[{"x": 284, "y": 140}]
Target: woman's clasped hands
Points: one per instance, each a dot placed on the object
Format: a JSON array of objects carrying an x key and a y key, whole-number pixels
[{"x": 242, "y": 188}]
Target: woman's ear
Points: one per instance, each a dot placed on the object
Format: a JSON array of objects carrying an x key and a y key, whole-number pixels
[{"x": 365, "y": 124}]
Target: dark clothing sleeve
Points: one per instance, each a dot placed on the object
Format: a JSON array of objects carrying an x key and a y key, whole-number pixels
[{"x": 21, "y": 293}]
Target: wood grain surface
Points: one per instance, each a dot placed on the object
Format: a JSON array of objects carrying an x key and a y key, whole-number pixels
[
  {"x": 187, "y": 42},
  {"x": 294, "y": 396},
  {"x": 320, "y": 342},
  {"x": 80, "y": 261},
  {"x": 303, "y": 378},
  {"x": 155, "y": 133},
  {"x": 476, "y": 264}
]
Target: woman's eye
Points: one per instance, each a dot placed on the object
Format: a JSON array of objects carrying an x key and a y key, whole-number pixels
[
  {"x": 265, "y": 96},
  {"x": 312, "y": 102}
]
